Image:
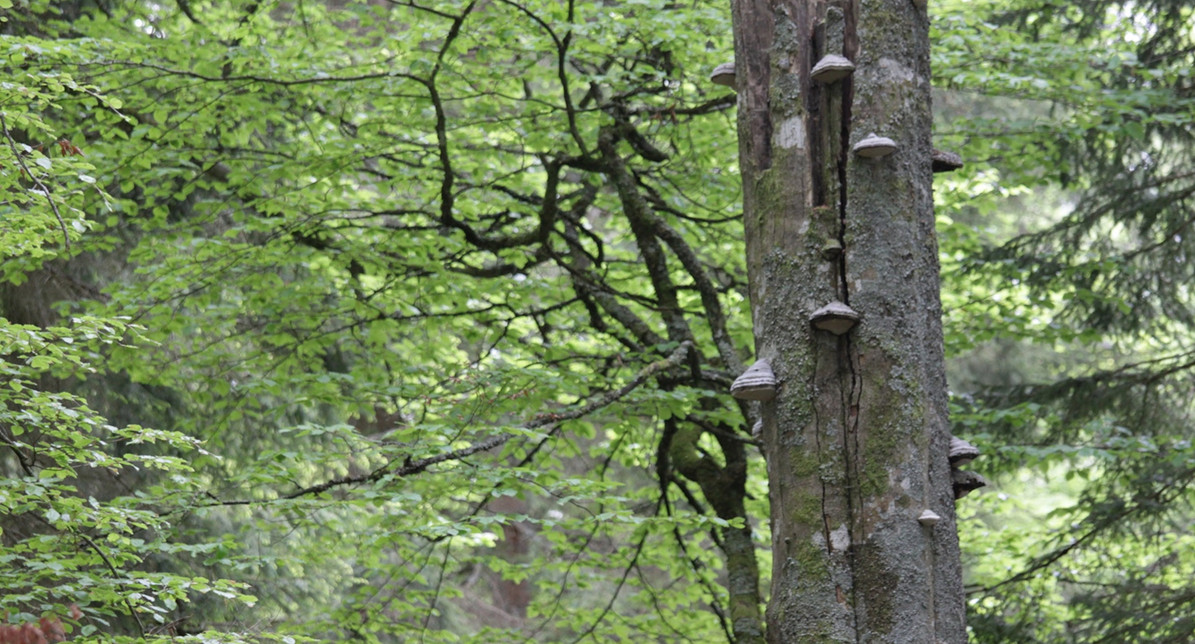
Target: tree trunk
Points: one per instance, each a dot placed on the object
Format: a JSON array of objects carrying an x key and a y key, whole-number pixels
[{"x": 857, "y": 437}]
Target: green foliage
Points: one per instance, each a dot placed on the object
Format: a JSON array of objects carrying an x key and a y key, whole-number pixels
[
  {"x": 1065, "y": 251},
  {"x": 64, "y": 543},
  {"x": 382, "y": 274},
  {"x": 435, "y": 305}
]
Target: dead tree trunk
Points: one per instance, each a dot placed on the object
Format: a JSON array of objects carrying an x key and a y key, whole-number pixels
[{"x": 857, "y": 437}]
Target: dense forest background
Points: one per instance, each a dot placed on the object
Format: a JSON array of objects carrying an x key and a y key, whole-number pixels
[{"x": 396, "y": 320}]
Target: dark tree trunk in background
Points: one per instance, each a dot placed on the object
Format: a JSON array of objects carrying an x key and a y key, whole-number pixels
[{"x": 857, "y": 437}]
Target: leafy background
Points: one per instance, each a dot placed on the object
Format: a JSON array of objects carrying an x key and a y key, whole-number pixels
[{"x": 390, "y": 321}]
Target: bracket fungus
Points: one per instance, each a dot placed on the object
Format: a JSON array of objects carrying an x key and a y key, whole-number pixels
[
  {"x": 943, "y": 161},
  {"x": 929, "y": 518},
  {"x": 961, "y": 451},
  {"x": 831, "y": 249},
  {"x": 835, "y": 317},
  {"x": 830, "y": 68},
  {"x": 964, "y": 482},
  {"x": 874, "y": 147},
  {"x": 723, "y": 75},
  {"x": 757, "y": 383}
]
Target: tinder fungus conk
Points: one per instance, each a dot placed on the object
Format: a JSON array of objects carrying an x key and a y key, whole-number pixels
[
  {"x": 929, "y": 518},
  {"x": 832, "y": 67},
  {"x": 757, "y": 383},
  {"x": 835, "y": 317},
  {"x": 943, "y": 161},
  {"x": 831, "y": 249},
  {"x": 723, "y": 75},
  {"x": 964, "y": 481},
  {"x": 961, "y": 452},
  {"x": 874, "y": 147}
]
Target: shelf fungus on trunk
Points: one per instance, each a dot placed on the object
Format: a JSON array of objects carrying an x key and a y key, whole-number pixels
[
  {"x": 961, "y": 451},
  {"x": 874, "y": 147},
  {"x": 835, "y": 317},
  {"x": 929, "y": 518},
  {"x": 831, "y": 250},
  {"x": 723, "y": 75},
  {"x": 830, "y": 68},
  {"x": 943, "y": 161},
  {"x": 757, "y": 383},
  {"x": 964, "y": 481}
]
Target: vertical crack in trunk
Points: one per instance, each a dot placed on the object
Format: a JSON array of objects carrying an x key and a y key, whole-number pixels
[
  {"x": 850, "y": 50},
  {"x": 843, "y": 286},
  {"x": 852, "y": 448},
  {"x": 846, "y": 390},
  {"x": 817, "y": 442},
  {"x": 844, "y": 151}
]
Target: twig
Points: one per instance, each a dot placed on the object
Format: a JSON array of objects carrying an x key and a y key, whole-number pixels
[
  {"x": 132, "y": 613},
  {"x": 66, "y": 238}
]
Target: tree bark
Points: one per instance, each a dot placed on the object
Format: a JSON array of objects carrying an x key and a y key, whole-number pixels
[{"x": 857, "y": 437}]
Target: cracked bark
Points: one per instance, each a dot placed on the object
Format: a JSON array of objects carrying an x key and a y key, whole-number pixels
[{"x": 857, "y": 438}]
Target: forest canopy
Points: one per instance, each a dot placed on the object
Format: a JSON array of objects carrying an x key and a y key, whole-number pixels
[{"x": 394, "y": 320}]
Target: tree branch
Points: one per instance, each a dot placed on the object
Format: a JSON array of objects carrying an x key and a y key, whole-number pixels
[{"x": 673, "y": 360}]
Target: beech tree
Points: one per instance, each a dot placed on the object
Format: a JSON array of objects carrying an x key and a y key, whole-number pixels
[{"x": 840, "y": 229}]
